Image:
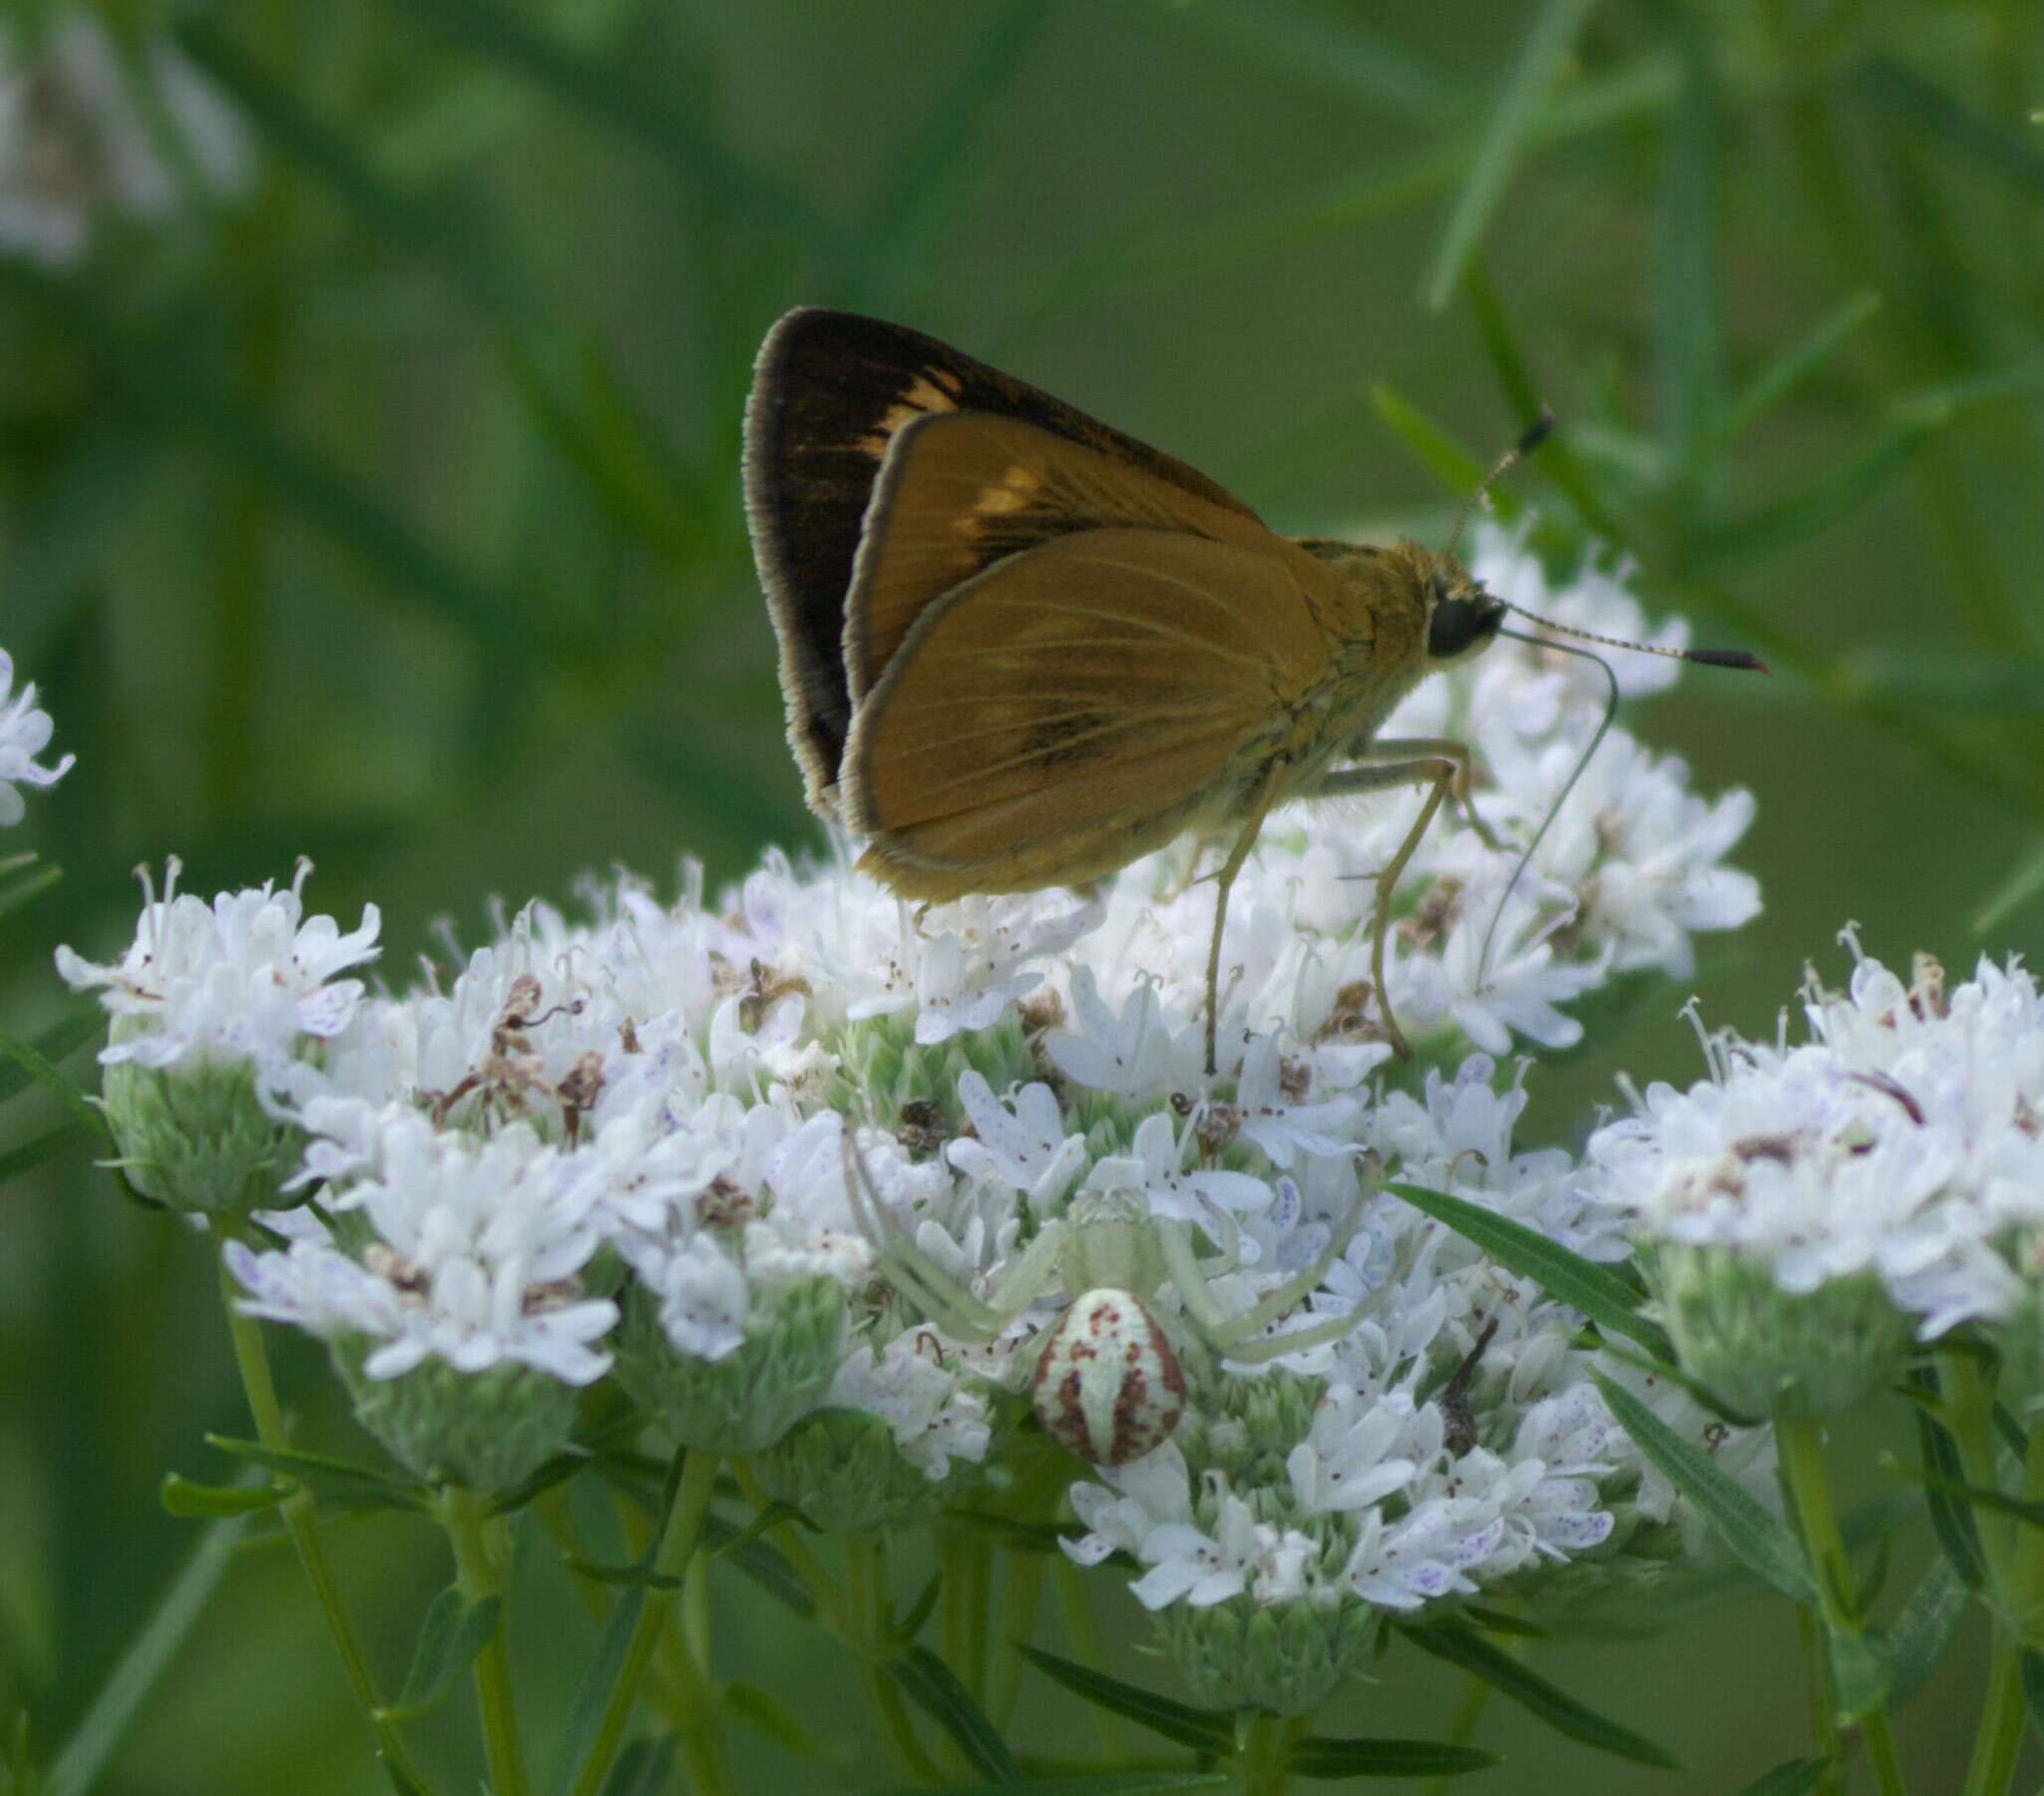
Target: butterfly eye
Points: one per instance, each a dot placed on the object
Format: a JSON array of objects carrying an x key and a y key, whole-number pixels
[{"x": 1462, "y": 626}]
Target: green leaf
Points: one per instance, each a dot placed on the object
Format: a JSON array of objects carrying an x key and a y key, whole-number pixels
[
  {"x": 1203, "y": 1730},
  {"x": 1562, "y": 1712},
  {"x": 450, "y": 1638},
  {"x": 1432, "y": 446},
  {"x": 66, "y": 1089},
  {"x": 31, "y": 886},
  {"x": 2030, "y": 1668},
  {"x": 1786, "y": 370},
  {"x": 1500, "y": 1621},
  {"x": 1757, "y": 1539},
  {"x": 1770, "y": 529},
  {"x": 771, "y": 1718},
  {"x": 593, "y": 1693},
  {"x": 644, "y": 1767},
  {"x": 1112, "y": 1783},
  {"x": 765, "y": 1565},
  {"x": 1320, "y": 1756},
  {"x": 56, "y": 1045},
  {"x": 1864, "y": 1667},
  {"x": 1792, "y": 1777},
  {"x": 81, "y": 1766},
  {"x": 1936, "y": 113},
  {"x": 210, "y": 1503},
  {"x": 936, "y": 1689},
  {"x": 1508, "y": 127},
  {"x": 1688, "y": 363},
  {"x": 36, "y": 1150},
  {"x": 1923, "y": 1631},
  {"x": 1950, "y": 1519},
  {"x": 2013, "y": 893},
  {"x": 1601, "y": 1295},
  {"x": 342, "y": 1480},
  {"x": 643, "y": 1575}
]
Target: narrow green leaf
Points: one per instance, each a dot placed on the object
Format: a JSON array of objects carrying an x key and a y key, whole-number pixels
[
  {"x": 1770, "y": 529},
  {"x": 765, "y": 1565},
  {"x": 935, "y": 1688},
  {"x": 1500, "y": 1621},
  {"x": 1950, "y": 1519},
  {"x": 2012, "y": 381},
  {"x": 2030, "y": 1667},
  {"x": 81, "y": 1766},
  {"x": 1792, "y": 1777},
  {"x": 1320, "y": 1756},
  {"x": 1204, "y": 1730},
  {"x": 1924, "y": 1630},
  {"x": 1432, "y": 446},
  {"x": 644, "y": 1767},
  {"x": 1111, "y": 1783},
  {"x": 28, "y": 889},
  {"x": 2013, "y": 893},
  {"x": 593, "y": 1693},
  {"x": 198, "y": 1502},
  {"x": 61, "y": 1086},
  {"x": 1688, "y": 362},
  {"x": 1757, "y": 1539},
  {"x": 342, "y": 1478},
  {"x": 36, "y": 1150},
  {"x": 621, "y": 1575},
  {"x": 1562, "y": 1712},
  {"x": 1864, "y": 1667},
  {"x": 450, "y": 1638},
  {"x": 1503, "y": 143},
  {"x": 54, "y": 1045},
  {"x": 771, "y": 1718},
  {"x": 1601, "y": 1295},
  {"x": 1936, "y": 113},
  {"x": 1787, "y": 369}
]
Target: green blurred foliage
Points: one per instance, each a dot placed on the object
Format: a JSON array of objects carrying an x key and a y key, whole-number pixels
[{"x": 388, "y": 513}]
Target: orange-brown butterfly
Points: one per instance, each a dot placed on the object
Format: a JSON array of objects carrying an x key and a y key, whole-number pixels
[{"x": 1020, "y": 648}]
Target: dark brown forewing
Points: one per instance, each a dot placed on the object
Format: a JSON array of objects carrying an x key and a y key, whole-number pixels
[
  {"x": 1079, "y": 705},
  {"x": 959, "y": 491},
  {"x": 829, "y": 391}
]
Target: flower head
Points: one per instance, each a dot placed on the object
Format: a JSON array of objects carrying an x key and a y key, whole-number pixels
[{"x": 24, "y": 735}]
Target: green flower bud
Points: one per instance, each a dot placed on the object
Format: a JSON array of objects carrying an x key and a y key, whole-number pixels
[
  {"x": 747, "y": 1401},
  {"x": 843, "y": 1470},
  {"x": 196, "y": 1138},
  {"x": 489, "y": 1430},
  {"x": 1759, "y": 1350},
  {"x": 1285, "y": 1658}
]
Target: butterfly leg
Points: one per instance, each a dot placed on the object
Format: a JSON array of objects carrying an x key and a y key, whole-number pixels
[
  {"x": 1223, "y": 881},
  {"x": 1442, "y": 770},
  {"x": 1413, "y": 749}
]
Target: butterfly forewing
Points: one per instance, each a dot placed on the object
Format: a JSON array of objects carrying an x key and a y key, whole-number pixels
[
  {"x": 829, "y": 393},
  {"x": 1079, "y": 705},
  {"x": 964, "y": 490}
]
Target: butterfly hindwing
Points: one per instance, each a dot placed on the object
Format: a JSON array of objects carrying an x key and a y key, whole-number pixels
[
  {"x": 829, "y": 394},
  {"x": 1075, "y": 706}
]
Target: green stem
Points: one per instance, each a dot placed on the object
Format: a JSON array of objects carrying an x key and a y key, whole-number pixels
[
  {"x": 701, "y": 1736},
  {"x": 2019, "y": 1602},
  {"x": 1800, "y": 1441},
  {"x": 1265, "y": 1759},
  {"x": 1968, "y": 1414},
  {"x": 1475, "y": 1699},
  {"x": 822, "y": 1588},
  {"x": 481, "y": 1551},
  {"x": 968, "y": 1570},
  {"x": 867, "y": 1618},
  {"x": 252, "y": 1360},
  {"x": 1021, "y": 1595}
]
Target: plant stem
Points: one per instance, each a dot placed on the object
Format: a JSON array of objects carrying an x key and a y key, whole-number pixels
[
  {"x": 2019, "y": 1598},
  {"x": 252, "y": 1360},
  {"x": 867, "y": 1618},
  {"x": 1800, "y": 1440},
  {"x": 1265, "y": 1759},
  {"x": 481, "y": 1550},
  {"x": 700, "y": 1730}
]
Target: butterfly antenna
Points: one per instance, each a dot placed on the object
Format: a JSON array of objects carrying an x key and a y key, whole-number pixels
[
  {"x": 1535, "y": 434},
  {"x": 1710, "y": 658}
]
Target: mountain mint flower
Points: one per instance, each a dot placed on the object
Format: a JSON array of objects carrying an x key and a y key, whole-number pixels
[{"x": 24, "y": 735}]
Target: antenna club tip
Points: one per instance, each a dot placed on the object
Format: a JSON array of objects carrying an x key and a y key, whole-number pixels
[
  {"x": 1536, "y": 432},
  {"x": 1738, "y": 659}
]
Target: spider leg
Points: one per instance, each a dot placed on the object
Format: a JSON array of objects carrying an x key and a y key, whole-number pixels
[
  {"x": 1231, "y": 1332},
  {"x": 908, "y": 1267}
]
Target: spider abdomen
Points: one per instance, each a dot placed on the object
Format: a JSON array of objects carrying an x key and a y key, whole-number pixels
[{"x": 1107, "y": 1384}]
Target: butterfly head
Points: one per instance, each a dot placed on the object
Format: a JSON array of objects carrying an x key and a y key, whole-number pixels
[{"x": 1462, "y": 618}]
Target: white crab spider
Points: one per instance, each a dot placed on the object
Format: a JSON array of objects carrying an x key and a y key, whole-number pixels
[{"x": 1109, "y": 1382}]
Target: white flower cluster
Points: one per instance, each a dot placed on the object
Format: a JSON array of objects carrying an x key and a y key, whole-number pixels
[
  {"x": 24, "y": 735},
  {"x": 89, "y": 123},
  {"x": 1904, "y": 1140},
  {"x": 625, "y": 1140}
]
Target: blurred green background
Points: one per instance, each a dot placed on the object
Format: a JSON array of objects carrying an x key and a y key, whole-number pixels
[{"x": 382, "y": 506}]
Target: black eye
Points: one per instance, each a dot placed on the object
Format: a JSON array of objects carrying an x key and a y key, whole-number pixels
[{"x": 1460, "y": 624}]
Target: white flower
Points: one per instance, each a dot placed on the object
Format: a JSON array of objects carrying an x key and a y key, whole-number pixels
[
  {"x": 935, "y": 1416},
  {"x": 248, "y": 977},
  {"x": 1135, "y": 1054},
  {"x": 24, "y": 735},
  {"x": 1026, "y": 1149},
  {"x": 1152, "y": 1171},
  {"x": 85, "y": 124},
  {"x": 476, "y": 1252}
]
